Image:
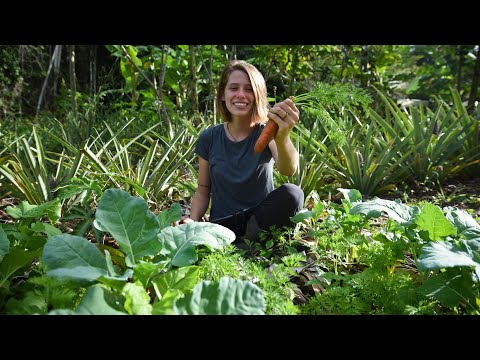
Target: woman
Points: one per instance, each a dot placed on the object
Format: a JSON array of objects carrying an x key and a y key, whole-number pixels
[{"x": 238, "y": 181}]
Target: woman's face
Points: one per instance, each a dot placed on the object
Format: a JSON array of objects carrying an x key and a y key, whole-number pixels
[{"x": 238, "y": 95}]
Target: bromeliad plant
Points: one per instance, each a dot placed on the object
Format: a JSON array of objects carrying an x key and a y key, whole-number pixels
[{"x": 440, "y": 143}]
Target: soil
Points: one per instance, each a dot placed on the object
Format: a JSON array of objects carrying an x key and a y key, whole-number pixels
[{"x": 462, "y": 194}]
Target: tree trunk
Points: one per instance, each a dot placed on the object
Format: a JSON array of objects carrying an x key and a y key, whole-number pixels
[
  {"x": 474, "y": 88},
  {"x": 209, "y": 72},
  {"x": 161, "y": 80},
  {"x": 461, "y": 61},
  {"x": 56, "y": 54},
  {"x": 73, "y": 78},
  {"x": 193, "y": 79},
  {"x": 93, "y": 86}
]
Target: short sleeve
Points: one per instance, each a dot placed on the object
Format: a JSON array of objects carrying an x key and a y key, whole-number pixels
[{"x": 202, "y": 148}]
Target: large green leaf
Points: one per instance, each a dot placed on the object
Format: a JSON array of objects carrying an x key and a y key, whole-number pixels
[
  {"x": 226, "y": 297},
  {"x": 432, "y": 220},
  {"x": 96, "y": 301},
  {"x": 167, "y": 216},
  {"x": 450, "y": 288},
  {"x": 53, "y": 209},
  {"x": 131, "y": 224},
  {"x": 464, "y": 222},
  {"x": 73, "y": 257},
  {"x": 178, "y": 242},
  {"x": 446, "y": 254},
  {"x": 403, "y": 214},
  {"x": 15, "y": 260},
  {"x": 183, "y": 279},
  {"x": 4, "y": 243},
  {"x": 137, "y": 301}
]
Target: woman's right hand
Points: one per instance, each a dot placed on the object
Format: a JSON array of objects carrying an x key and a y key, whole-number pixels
[{"x": 183, "y": 220}]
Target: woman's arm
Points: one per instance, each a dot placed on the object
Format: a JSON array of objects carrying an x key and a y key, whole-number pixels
[
  {"x": 201, "y": 198},
  {"x": 286, "y": 115},
  {"x": 285, "y": 155}
]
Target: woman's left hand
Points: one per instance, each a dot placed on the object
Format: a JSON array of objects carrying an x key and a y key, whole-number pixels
[{"x": 286, "y": 115}]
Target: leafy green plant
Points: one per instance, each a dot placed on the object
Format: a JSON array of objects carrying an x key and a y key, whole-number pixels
[
  {"x": 29, "y": 171},
  {"x": 153, "y": 256},
  {"x": 368, "y": 162},
  {"x": 325, "y": 99},
  {"x": 323, "y": 127},
  {"x": 435, "y": 139},
  {"x": 447, "y": 241},
  {"x": 21, "y": 242}
]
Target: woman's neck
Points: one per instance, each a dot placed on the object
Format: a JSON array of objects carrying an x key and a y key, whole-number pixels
[{"x": 239, "y": 130}]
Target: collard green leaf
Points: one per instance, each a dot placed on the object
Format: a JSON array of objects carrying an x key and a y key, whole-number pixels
[
  {"x": 228, "y": 296},
  {"x": 183, "y": 279},
  {"x": 4, "y": 243},
  {"x": 178, "y": 242},
  {"x": 446, "y": 254},
  {"x": 451, "y": 287},
  {"x": 15, "y": 260},
  {"x": 83, "y": 275},
  {"x": 48, "y": 229},
  {"x": 168, "y": 216},
  {"x": 145, "y": 271},
  {"x": 302, "y": 215},
  {"x": 351, "y": 195},
  {"x": 52, "y": 209},
  {"x": 98, "y": 301},
  {"x": 73, "y": 257},
  {"x": 164, "y": 306},
  {"x": 431, "y": 219},
  {"x": 403, "y": 214},
  {"x": 464, "y": 222},
  {"x": 137, "y": 301},
  {"x": 131, "y": 224}
]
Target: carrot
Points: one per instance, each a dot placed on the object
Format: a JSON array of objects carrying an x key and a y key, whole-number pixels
[{"x": 267, "y": 134}]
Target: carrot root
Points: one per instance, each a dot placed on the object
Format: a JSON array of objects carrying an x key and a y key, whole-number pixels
[{"x": 267, "y": 134}]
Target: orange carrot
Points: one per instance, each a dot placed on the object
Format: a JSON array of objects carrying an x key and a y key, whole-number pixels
[{"x": 267, "y": 134}]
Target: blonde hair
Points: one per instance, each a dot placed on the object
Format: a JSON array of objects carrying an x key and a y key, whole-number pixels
[{"x": 260, "y": 108}]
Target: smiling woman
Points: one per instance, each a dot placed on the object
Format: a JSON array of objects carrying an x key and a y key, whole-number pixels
[{"x": 237, "y": 179}]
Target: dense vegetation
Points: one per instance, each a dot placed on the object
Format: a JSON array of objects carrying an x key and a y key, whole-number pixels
[{"x": 96, "y": 137}]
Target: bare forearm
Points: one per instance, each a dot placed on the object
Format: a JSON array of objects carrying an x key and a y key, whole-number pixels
[
  {"x": 200, "y": 202},
  {"x": 287, "y": 161}
]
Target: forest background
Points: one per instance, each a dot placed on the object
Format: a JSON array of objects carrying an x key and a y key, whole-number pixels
[
  {"x": 399, "y": 122},
  {"x": 78, "y": 91}
]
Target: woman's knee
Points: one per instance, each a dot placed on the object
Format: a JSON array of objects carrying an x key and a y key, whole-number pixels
[{"x": 294, "y": 195}]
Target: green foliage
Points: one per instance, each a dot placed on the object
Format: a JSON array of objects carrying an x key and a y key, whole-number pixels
[
  {"x": 29, "y": 172},
  {"x": 40, "y": 294},
  {"x": 433, "y": 139},
  {"x": 275, "y": 285},
  {"x": 371, "y": 257},
  {"x": 226, "y": 297}
]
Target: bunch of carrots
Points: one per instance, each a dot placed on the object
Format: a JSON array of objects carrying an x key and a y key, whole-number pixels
[{"x": 322, "y": 98}]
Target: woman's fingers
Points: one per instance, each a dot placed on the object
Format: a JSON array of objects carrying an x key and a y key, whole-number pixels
[
  {"x": 286, "y": 111},
  {"x": 183, "y": 220}
]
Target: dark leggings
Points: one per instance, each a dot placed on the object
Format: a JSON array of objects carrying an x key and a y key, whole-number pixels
[{"x": 275, "y": 210}]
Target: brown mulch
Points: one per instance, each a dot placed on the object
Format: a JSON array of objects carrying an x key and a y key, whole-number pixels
[{"x": 462, "y": 194}]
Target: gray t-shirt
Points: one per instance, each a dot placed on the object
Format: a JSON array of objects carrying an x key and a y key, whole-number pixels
[{"x": 240, "y": 179}]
